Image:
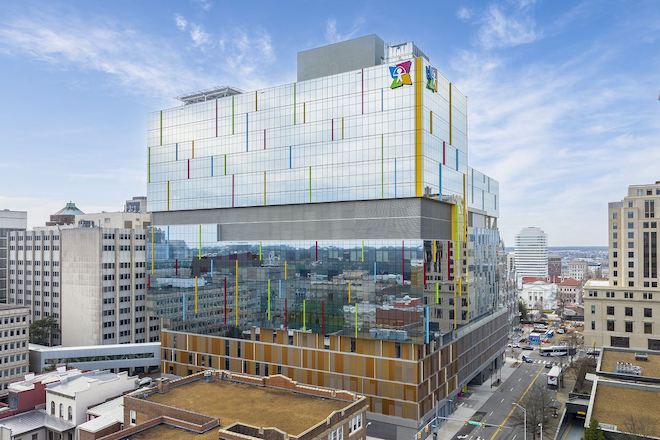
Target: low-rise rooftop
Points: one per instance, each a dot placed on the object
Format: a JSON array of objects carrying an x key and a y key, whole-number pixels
[
  {"x": 252, "y": 405},
  {"x": 635, "y": 410},
  {"x": 649, "y": 362}
]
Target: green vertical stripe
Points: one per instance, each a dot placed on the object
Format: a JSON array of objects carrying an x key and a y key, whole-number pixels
[
  {"x": 225, "y": 164},
  {"x": 148, "y": 164}
]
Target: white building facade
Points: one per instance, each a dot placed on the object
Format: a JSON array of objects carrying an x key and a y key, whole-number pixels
[
  {"x": 531, "y": 253},
  {"x": 14, "y": 335},
  {"x": 539, "y": 295}
]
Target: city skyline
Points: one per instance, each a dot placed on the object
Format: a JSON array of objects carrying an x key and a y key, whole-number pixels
[{"x": 98, "y": 70}]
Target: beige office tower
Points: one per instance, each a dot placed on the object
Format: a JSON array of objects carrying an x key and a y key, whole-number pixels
[
  {"x": 90, "y": 276},
  {"x": 624, "y": 310}
]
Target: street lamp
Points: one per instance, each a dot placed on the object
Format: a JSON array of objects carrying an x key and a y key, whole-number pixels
[{"x": 524, "y": 418}]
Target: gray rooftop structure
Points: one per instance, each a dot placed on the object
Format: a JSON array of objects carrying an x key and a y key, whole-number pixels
[{"x": 33, "y": 420}]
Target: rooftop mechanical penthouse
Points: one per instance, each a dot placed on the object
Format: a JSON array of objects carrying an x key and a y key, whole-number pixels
[{"x": 329, "y": 230}]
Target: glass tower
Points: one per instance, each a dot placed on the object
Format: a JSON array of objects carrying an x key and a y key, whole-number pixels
[{"x": 339, "y": 205}]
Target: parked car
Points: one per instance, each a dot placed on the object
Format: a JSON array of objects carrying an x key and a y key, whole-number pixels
[
  {"x": 527, "y": 360},
  {"x": 516, "y": 345},
  {"x": 549, "y": 365},
  {"x": 528, "y": 347}
]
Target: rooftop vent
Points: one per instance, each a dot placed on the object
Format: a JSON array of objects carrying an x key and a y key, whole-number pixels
[
  {"x": 641, "y": 357},
  {"x": 628, "y": 368},
  {"x": 209, "y": 95}
]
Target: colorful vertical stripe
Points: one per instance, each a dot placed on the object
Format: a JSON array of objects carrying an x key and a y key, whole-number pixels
[
  {"x": 153, "y": 251},
  {"x": 196, "y": 296},
  {"x": 356, "y": 320},
  {"x": 419, "y": 178},
  {"x": 236, "y": 294}
]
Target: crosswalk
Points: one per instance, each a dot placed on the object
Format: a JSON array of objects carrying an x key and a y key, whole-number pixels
[{"x": 541, "y": 361}]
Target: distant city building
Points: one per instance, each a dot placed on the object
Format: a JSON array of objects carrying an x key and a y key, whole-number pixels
[
  {"x": 336, "y": 216},
  {"x": 9, "y": 221},
  {"x": 531, "y": 253},
  {"x": 230, "y": 406},
  {"x": 624, "y": 311},
  {"x": 65, "y": 216},
  {"x": 570, "y": 292},
  {"x": 136, "y": 204},
  {"x": 539, "y": 295},
  {"x": 578, "y": 270},
  {"x": 14, "y": 336},
  {"x": 554, "y": 266},
  {"x": 91, "y": 278},
  {"x": 511, "y": 265}
]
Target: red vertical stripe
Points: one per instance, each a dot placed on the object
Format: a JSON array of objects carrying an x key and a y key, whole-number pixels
[
  {"x": 286, "y": 323},
  {"x": 232, "y": 190},
  {"x": 317, "y": 251},
  {"x": 225, "y": 300},
  {"x": 322, "y": 318},
  {"x": 148, "y": 281},
  {"x": 444, "y": 153},
  {"x": 425, "y": 274},
  {"x": 176, "y": 267}
]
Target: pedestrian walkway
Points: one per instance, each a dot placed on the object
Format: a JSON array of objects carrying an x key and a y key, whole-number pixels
[{"x": 478, "y": 395}]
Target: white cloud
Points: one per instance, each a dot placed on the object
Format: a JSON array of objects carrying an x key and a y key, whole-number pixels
[
  {"x": 198, "y": 35},
  {"x": 464, "y": 13},
  {"x": 333, "y": 35},
  {"x": 499, "y": 30},
  {"x": 205, "y": 5},
  {"x": 563, "y": 136},
  {"x": 181, "y": 22}
]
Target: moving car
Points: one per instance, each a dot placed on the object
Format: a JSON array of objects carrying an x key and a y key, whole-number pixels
[
  {"x": 528, "y": 347},
  {"x": 527, "y": 360}
]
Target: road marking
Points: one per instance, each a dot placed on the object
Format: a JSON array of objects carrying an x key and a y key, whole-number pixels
[
  {"x": 511, "y": 389},
  {"x": 499, "y": 428},
  {"x": 519, "y": 379},
  {"x": 514, "y": 437},
  {"x": 490, "y": 414},
  {"x": 501, "y": 401}
]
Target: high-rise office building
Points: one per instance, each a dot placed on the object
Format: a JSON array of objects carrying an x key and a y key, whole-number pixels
[
  {"x": 531, "y": 251},
  {"x": 89, "y": 276},
  {"x": 624, "y": 311},
  {"x": 554, "y": 266},
  {"x": 9, "y": 221},
  {"x": 14, "y": 335},
  {"x": 330, "y": 230}
]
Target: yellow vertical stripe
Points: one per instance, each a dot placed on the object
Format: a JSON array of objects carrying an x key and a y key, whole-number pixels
[
  {"x": 431, "y": 121},
  {"x": 286, "y": 270},
  {"x": 193, "y": 149},
  {"x": 196, "y": 297},
  {"x": 418, "y": 128},
  {"x": 168, "y": 195}
]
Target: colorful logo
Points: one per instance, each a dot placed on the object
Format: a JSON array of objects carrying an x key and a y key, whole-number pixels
[
  {"x": 400, "y": 74},
  {"x": 432, "y": 78}
]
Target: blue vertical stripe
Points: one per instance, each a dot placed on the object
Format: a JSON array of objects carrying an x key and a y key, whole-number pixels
[
  {"x": 457, "y": 159},
  {"x": 176, "y": 151},
  {"x": 185, "y": 305},
  {"x": 211, "y": 266},
  {"x": 440, "y": 181},
  {"x": 279, "y": 289},
  {"x": 426, "y": 325},
  {"x": 374, "y": 271}
]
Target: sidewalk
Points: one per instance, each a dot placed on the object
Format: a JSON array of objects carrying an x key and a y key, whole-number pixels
[{"x": 479, "y": 395}]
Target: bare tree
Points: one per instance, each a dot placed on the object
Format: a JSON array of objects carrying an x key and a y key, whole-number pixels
[
  {"x": 539, "y": 406},
  {"x": 638, "y": 424}
]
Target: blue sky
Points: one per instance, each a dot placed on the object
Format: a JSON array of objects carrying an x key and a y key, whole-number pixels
[{"x": 563, "y": 95}]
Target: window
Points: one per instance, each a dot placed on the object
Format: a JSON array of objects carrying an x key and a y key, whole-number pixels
[
  {"x": 593, "y": 325},
  {"x": 52, "y": 408},
  {"x": 619, "y": 341},
  {"x": 648, "y": 328},
  {"x": 629, "y": 311},
  {"x": 61, "y": 410},
  {"x": 337, "y": 434},
  {"x": 593, "y": 309},
  {"x": 355, "y": 425},
  {"x": 133, "y": 417},
  {"x": 648, "y": 312},
  {"x": 70, "y": 413},
  {"x": 610, "y": 310},
  {"x": 629, "y": 327},
  {"x": 610, "y": 325}
]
